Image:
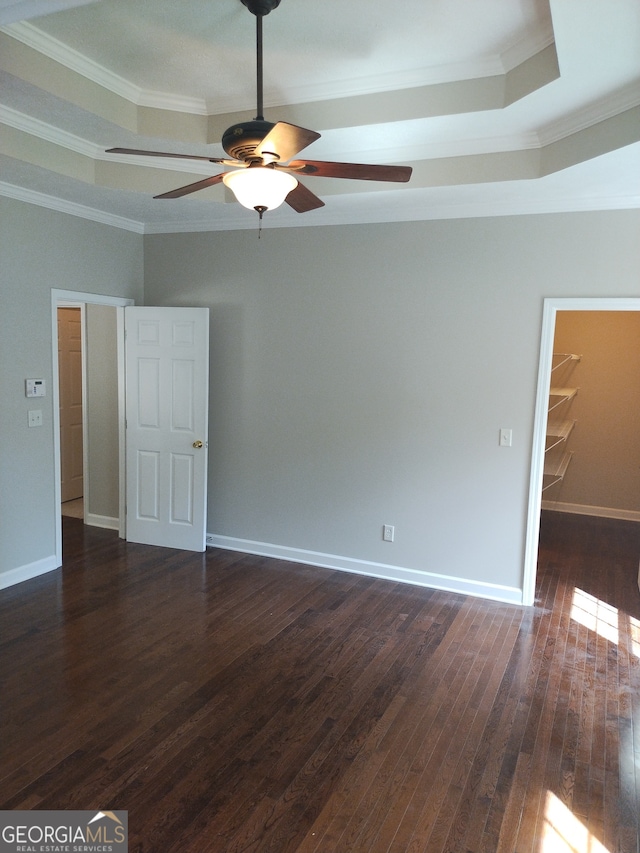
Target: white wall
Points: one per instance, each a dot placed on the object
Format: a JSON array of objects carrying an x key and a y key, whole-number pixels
[
  {"x": 41, "y": 250},
  {"x": 360, "y": 375}
]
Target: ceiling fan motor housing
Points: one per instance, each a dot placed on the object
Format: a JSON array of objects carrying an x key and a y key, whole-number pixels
[
  {"x": 240, "y": 140},
  {"x": 261, "y": 7}
]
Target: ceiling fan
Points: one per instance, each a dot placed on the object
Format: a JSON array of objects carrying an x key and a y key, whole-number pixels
[{"x": 261, "y": 152}]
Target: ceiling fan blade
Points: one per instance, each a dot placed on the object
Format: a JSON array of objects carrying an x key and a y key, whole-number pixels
[
  {"x": 136, "y": 151},
  {"x": 192, "y": 188},
  {"x": 356, "y": 171},
  {"x": 285, "y": 140},
  {"x": 302, "y": 199}
]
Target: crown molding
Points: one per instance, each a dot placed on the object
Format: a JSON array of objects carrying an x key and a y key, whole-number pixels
[
  {"x": 71, "y": 207},
  {"x": 626, "y": 99},
  {"x": 53, "y": 48},
  {"x": 451, "y": 148},
  {"x": 45, "y": 44},
  {"x": 43, "y": 130},
  {"x": 527, "y": 47},
  {"x": 602, "y": 111},
  {"x": 490, "y": 66},
  {"x": 71, "y": 142},
  {"x": 393, "y": 81},
  {"x": 34, "y": 38},
  {"x": 418, "y": 212}
]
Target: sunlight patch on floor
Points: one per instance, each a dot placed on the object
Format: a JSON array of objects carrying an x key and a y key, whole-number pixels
[
  {"x": 564, "y": 833},
  {"x": 634, "y": 625},
  {"x": 598, "y": 616},
  {"x": 595, "y": 614}
]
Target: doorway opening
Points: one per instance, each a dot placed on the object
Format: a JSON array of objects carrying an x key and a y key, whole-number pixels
[
  {"x": 102, "y": 428},
  {"x": 550, "y": 311}
]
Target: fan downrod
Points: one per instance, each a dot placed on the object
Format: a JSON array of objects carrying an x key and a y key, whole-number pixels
[{"x": 260, "y": 8}]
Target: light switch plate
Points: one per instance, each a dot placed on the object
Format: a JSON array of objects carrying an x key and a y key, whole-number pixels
[
  {"x": 35, "y": 417},
  {"x": 505, "y": 438}
]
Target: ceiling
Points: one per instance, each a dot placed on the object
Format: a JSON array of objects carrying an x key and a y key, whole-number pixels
[{"x": 501, "y": 107}]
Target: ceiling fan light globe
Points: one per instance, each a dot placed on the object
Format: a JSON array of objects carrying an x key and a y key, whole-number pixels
[{"x": 260, "y": 187}]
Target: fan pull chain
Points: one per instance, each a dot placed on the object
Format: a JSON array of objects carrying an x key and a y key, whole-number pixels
[{"x": 260, "y": 210}]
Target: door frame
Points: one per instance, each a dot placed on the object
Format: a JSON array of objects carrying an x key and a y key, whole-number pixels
[
  {"x": 61, "y": 298},
  {"x": 550, "y": 309}
]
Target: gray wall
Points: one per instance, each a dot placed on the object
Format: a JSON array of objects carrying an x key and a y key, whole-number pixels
[
  {"x": 101, "y": 476},
  {"x": 604, "y": 474},
  {"x": 360, "y": 376},
  {"x": 40, "y": 250}
]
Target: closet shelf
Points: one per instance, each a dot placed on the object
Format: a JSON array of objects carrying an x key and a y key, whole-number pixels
[
  {"x": 555, "y": 469},
  {"x": 557, "y": 432},
  {"x": 563, "y": 395},
  {"x": 565, "y": 356}
]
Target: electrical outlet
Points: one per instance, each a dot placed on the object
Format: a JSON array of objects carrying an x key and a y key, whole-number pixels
[{"x": 388, "y": 532}]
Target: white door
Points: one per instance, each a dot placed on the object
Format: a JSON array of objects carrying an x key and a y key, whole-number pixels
[
  {"x": 167, "y": 396},
  {"x": 70, "y": 398}
]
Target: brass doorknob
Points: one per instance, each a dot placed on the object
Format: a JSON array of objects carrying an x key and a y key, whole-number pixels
[{"x": 197, "y": 444}]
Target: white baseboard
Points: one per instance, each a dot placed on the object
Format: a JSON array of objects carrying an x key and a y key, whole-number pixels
[
  {"x": 25, "y": 573},
  {"x": 104, "y": 521},
  {"x": 495, "y": 592},
  {"x": 600, "y": 511}
]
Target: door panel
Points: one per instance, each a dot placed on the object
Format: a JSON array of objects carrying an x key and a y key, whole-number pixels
[
  {"x": 70, "y": 388},
  {"x": 167, "y": 389}
]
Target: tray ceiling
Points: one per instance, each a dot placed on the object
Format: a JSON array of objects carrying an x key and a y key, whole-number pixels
[{"x": 500, "y": 108}]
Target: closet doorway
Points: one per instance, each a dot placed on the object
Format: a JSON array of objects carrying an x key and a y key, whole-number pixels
[{"x": 576, "y": 504}]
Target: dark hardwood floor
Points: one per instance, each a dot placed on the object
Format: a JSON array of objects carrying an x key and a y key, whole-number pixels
[{"x": 236, "y": 703}]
